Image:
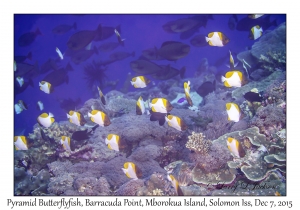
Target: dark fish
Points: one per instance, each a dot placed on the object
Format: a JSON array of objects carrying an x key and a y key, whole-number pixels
[
  {"x": 56, "y": 78},
  {"x": 83, "y": 55},
  {"x": 151, "y": 54},
  {"x": 232, "y": 21},
  {"x": 27, "y": 38},
  {"x": 206, "y": 88},
  {"x": 82, "y": 135},
  {"x": 49, "y": 65},
  {"x": 83, "y": 38},
  {"x": 109, "y": 46},
  {"x": 106, "y": 62},
  {"x": 121, "y": 55},
  {"x": 21, "y": 59},
  {"x": 199, "y": 41},
  {"x": 157, "y": 116},
  {"x": 144, "y": 66},
  {"x": 188, "y": 34},
  {"x": 172, "y": 50},
  {"x": 253, "y": 97},
  {"x": 62, "y": 29},
  {"x": 246, "y": 23},
  {"x": 18, "y": 89},
  {"x": 202, "y": 19},
  {"x": 168, "y": 72},
  {"x": 69, "y": 104},
  {"x": 180, "y": 25},
  {"x": 27, "y": 70},
  {"x": 107, "y": 32}
]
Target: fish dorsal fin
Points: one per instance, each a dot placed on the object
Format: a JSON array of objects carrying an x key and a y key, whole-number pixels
[
  {"x": 143, "y": 79},
  {"x": 126, "y": 165},
  {"x": 109, "y": 137},
  {"x": 94, "y": 112},
  {"x": 230, "y": 139},
  {"x": 23, "y": 138},
  {"x": 210, "y": 34},
  {"x": 220, "y": 35},
  {"x": 229, "y": 74},
  {"x": 168, "y": 43},
  {"x": 237, "y": 144},
  {"x": 154, "y": 100},
  {"x": 78, "y": 115},
  {"x": 237, "y": 107},
  {"x": 71, "y": 112},
  {"x": 117, "y": 139},
  {"x": 44, "y": 115},
  {"x": 178, "y": 120},
  {"x": 134, "y": 79},
  {"x": 228, "y": 106}
]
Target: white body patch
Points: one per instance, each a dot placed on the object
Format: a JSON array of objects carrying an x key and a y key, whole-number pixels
[
  {"x": 159, "y": 106},
  {"x": 233, "y": 81},
  {"x": 138, "y": 83},
  {"x": 20, "y": 144},
  {"x": 257, "y": 33},
  {"x": 44, "y": 87},
  {"x": 173, "y": 123},
  {"x": 215, "y": 40},
  {"x": 74, "y": 118},
  {"x": 233, "y": 148},
  {"x": 18, "y": 109},
  {"x": 20, "y": 81},
  {"x": 113, "y": 143},
  {"x": 233, "y": 114},
  {"x": 130, "y": 171},
  {"x": 46, "y": 122},
  {"x": 65, "y": 144},
  {"x": 97, "y": 118}
]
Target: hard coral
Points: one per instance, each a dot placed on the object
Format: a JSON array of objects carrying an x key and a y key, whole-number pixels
[{"x": 198, "y": 144}]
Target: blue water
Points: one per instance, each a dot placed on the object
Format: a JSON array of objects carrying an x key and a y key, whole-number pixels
[{"x": 140, "y": 32}]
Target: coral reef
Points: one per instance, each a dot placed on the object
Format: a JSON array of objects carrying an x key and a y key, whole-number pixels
[{"x": 198, "y": 144}]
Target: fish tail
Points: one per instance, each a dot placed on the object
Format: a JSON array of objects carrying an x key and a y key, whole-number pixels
[{"x": 223, "y": 79}]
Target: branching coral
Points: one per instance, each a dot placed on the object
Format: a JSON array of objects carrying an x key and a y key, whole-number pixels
[{"x": 198, "y": 144}]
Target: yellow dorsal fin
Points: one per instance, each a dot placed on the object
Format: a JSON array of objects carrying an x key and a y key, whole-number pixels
[
  {"x": 210, "y": 34},
  {"x": 71, "y": 113},
  {"x": 78, "y": 115},
  {"x": 109, "y": 137},
  {"x": 44, "y": 115},
  {"x": 220, "y": 35},
  {"x": 142, "y": 78},
  {"x": 23, "y": 138},
  {"x": 165, "y": 101},
  {"x": 133, "y": 79},
  {"x": 237, "y": 144},
  {"x": 229, "y": 74},
  {"x": 117, "y": 139},
  {"x": 126, "y": 165},
  {"x": 94, "y": 112},
  {"x": 228, "y": 106},
  {"x": 230, "y": 139},
  {"x": 154, "y": 100},
  {"x": 236, "y": 106},
  {"x": 178, "y": 120}
]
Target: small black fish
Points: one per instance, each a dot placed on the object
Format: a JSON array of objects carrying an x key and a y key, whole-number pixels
[
  {"x": 82, "y": 135},
  {"x": 206, "y": 88},
  {"x": 27, "y": 38},
  {"x": 157, "y": 116},
  {"x": 253, "y": 97}
]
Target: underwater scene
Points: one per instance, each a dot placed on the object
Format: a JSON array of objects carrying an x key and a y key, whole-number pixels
[{"x": 149, "y": 104}]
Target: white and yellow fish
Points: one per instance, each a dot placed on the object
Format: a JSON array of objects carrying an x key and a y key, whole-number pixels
[
  {"x": 20, "y": 80},
  {"x": 233, "y": 79},
  {"x": 76, "y": 118},
  {"x": 99, "y": 117},
  {"x": 46, "y": 120},
  {"x": 186, "y": 87},
  {"x": 140, "y": 82},
  {"x": 66, "y": 143},
  {"x": 18, "y": 109},
  {"x": 175, "y": 184},
  {"x": 176, "y": 122},
  {"x": 61, "y": 56},
  {"x": 45, "y": 87},
  {"x": 255, "y": 32},
  {"x": 216, "y": 39},
  {"x": 255, "y": 16},
  {"x": 233, "y": 111},
  {"x": 161, "y": 105},
  {"x": 132, "y": 171},
  {"x": 20, "y": 143},
  {"x": 140, "y": 106},
  {"x": 114, "y": 142},
  {"x": 235, "y": 147},
  {"x": 232, "y": 65}
]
